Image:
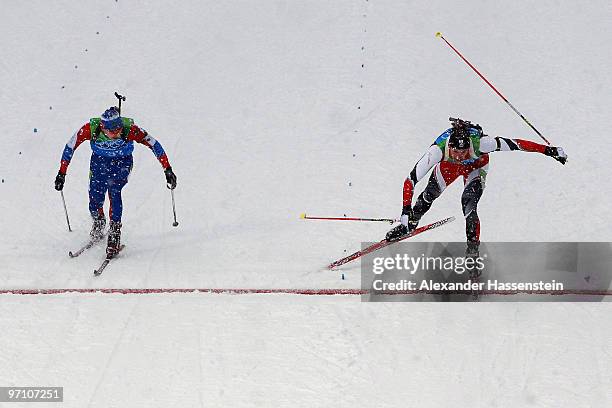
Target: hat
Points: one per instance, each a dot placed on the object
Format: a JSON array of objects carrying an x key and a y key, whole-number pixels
[
  {"x": 459, "y": 139},
  {"x": 460, "y": 134},
  {"x": 111, "y": 119}
]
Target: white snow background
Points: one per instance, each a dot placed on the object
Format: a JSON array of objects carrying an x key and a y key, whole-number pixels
[{"x": 272, "y": 108}]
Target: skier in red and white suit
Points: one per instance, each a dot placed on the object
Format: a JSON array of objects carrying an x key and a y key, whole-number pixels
[{"x": 463, "y": 150}]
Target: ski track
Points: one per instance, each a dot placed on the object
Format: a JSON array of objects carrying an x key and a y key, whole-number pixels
[{"x": 110, "y": 357}]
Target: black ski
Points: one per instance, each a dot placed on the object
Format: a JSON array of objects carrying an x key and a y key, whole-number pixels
[
  {"x": 98, "y": 272},
  {"x": 85, "y": 247}
]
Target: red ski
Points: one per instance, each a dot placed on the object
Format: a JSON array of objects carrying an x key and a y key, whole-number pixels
[{"x": 384, "y": 242}]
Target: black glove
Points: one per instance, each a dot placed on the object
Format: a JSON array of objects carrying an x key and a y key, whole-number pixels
[
  {"x": 59, "y": 181},
  {"x": 170, "y": 178},
  {"x": 556, "y": 153},
  {"x": 408, "y": 219}
]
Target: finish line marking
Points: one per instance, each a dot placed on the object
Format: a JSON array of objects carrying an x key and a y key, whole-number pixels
[
  {"x": 309, "y": 292},
  {"x": 232, "y": 291}
]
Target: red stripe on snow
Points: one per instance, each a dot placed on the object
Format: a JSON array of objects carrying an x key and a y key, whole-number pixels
[{"x": 313, "y": 292}]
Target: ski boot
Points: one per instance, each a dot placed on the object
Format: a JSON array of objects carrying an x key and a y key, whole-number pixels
[
  {"x": 97, "y": 228},
  {"x": 114, "y": 239},
  {"x": 397, "y": 232}
]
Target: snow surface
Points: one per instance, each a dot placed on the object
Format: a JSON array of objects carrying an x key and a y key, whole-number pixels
[{"x": 266, "y": 111}]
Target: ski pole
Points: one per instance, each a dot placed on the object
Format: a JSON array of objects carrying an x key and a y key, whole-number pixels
[
  {"x": 305, "y": 217},
  {"x": 65, "y": 210},
  {"x": 121, "y": 98},
  {"x": 439, "y": 35},
  {"x": 175, "y": 223}
]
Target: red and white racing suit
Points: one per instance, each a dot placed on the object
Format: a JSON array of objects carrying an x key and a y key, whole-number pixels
[{"x": 446, "y": 171}]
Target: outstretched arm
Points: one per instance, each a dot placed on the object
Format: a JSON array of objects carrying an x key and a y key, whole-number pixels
[
  {"x": 84, "y": 133},
  {"x": 141, "y": 136},
  {"x": 431, "y": 157},
  {"x": 502, "y": 144}
]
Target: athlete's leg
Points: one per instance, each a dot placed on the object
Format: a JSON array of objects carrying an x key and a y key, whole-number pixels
[
  {"x": 121, "y": 169},
  {"x": 98, "y": 184},
  {"x": 474, "y": 186},
  {"x": 443, "y": 174}
]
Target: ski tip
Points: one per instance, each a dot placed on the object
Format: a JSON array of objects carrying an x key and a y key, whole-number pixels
[
  {"x": 70, "y": 254},
  {"x": 438, "y": 34},
  {"x": 303, "y": 215}
]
